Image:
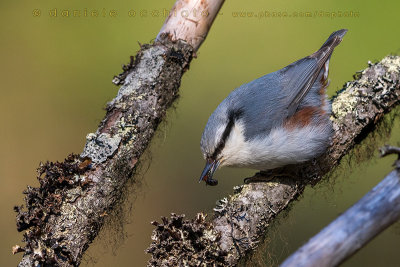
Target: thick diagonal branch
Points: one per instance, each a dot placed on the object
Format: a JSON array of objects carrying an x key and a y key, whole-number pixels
[{"x": 66, "y": 212}]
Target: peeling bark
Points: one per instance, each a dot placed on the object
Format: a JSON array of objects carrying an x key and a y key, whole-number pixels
[
  {"x": 240, "y": 220},
  {"x": 67, "y": 211},
  {"x": 191, "y": 20}
]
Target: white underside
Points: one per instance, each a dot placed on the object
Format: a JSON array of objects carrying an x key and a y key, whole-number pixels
[{"x": 281, "y": 147}]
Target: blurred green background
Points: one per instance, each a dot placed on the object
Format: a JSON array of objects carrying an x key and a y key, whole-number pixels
[{"x": 56, "y": 77}]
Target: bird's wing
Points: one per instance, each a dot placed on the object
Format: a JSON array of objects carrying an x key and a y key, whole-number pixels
[{"x": 299, "y": 77}]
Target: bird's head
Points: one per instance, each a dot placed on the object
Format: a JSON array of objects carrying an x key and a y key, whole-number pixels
[{"x": 214, "y": 139}]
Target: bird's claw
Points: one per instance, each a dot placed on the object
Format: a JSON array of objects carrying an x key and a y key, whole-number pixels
[
  {"x": 258, "y": 178},
  {"x": 266, "y": 176}
]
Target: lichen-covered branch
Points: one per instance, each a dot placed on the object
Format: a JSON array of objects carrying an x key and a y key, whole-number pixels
[
  {"x": 63, "y": 216},
  {"x": 66, "y": 212},
  {"x": 240, "y": 220}
]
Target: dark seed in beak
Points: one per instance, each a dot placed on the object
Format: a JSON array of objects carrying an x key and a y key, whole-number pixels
[{"x": 211, "y": 182}]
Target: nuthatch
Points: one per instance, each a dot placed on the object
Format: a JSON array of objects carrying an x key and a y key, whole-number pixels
[{"x": 279, "y": 119}]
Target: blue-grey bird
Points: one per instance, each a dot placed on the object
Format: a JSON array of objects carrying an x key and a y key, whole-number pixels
[{"x": 279, "y": 119}]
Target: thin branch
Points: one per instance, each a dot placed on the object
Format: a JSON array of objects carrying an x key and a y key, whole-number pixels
[
  {"x": 352, "y": 230},
  {"x": 387, "y": 150}
]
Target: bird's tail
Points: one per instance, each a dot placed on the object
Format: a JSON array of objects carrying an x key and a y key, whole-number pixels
[
  {"x": 324, "y": 53},
  {"x": 303, "y": 73},
  {"x": 334, "y": 39}
]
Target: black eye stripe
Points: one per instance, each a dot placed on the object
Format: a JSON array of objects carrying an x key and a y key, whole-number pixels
[{"x": 232, "y": 117}]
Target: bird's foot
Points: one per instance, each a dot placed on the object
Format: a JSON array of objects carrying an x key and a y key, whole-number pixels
[
  {"x": 266, "y": 176},
  {"x": 260, "y": 177}
]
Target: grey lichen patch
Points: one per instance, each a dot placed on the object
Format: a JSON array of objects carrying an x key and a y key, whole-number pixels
[
  {"x": 146, "y": 71},
  {"x": 127, "y": 128},
  {"x": 392, "y": 63},
  {"x": 72, "y": 194},
  {"x": 99, "y": 147},
  {"x": 237, "y": 189},
  {"x": 70, "y": 211},
  {"x": 221, "y": 205}
]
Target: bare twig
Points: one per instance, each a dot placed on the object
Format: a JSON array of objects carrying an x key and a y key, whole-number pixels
[
  {"x": 387, "y": 150},
  {"x": 352, "y": 230}
]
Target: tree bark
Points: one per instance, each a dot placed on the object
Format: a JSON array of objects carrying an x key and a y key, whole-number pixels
[
  {"x": 240, "y": 220},
  {"x": 372, "y": 214},
  {"x": 67, "y": 211}
]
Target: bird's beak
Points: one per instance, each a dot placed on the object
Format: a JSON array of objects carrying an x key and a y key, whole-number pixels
[{"x": 208, "y": 172}]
